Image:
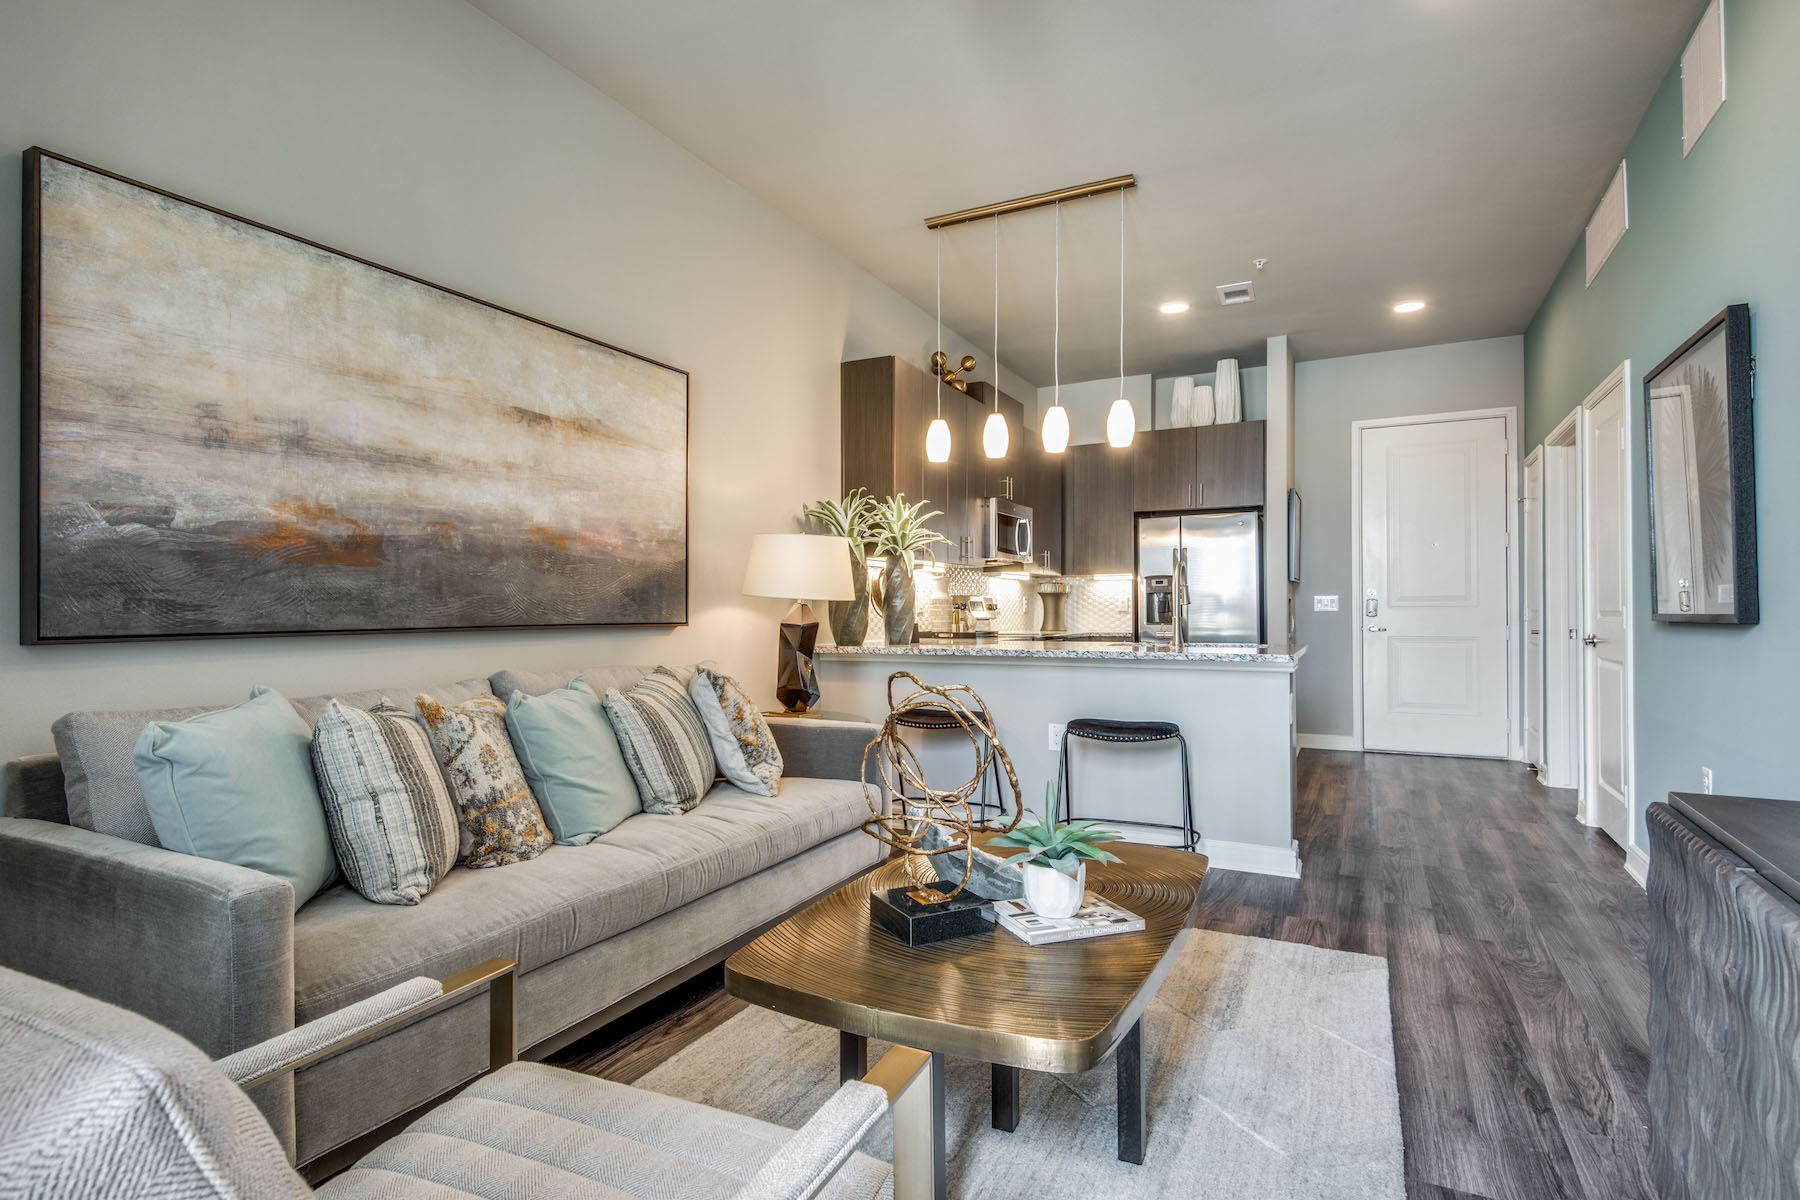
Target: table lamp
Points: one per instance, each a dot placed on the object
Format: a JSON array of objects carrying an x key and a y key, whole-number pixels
[{"x": 801, "y": 566}]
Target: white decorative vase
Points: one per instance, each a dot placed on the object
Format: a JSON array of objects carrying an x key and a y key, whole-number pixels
[
  {"x": 1203, "y": 405},
  {"x": 1228, "y": 392},
  {"x": 1181, "y": 402},
  {"x": 1053, "y": 894}
]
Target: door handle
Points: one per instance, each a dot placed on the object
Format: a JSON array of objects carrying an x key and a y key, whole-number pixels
[
  {"x": 1591, "y": 640},
  {"x": 1376, "y": 628},
  {"x": 1536, "y": 632}
]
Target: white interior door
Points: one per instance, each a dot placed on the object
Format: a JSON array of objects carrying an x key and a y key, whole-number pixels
[
  {"x": 1562, "y": 612},
  {"x": 1434, "y": 576},
  {"x": 1531, "y": 533},
  {"x": 1606, "y": 619}
]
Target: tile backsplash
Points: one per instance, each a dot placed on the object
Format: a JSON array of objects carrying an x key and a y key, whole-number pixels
[{"x": 1092, "y": 606}]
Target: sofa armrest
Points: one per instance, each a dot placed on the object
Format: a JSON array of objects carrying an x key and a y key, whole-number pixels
[
  {"x": 205, "y": 948},
  {"x": 821, "y": 749}
]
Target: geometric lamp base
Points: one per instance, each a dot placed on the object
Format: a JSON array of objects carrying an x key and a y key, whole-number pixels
[{"x": 796, "y": 683}]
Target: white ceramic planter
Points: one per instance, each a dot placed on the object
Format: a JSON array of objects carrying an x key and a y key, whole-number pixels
[{"x": 1053, "y": 894}]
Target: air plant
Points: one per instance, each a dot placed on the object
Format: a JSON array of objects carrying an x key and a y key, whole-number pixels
[
  {"x": 901, "y": 530},
  {"x": 851, "y": 518}
]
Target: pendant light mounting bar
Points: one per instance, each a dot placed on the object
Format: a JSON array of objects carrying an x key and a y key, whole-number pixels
[{"x": 1024, "y": 203}]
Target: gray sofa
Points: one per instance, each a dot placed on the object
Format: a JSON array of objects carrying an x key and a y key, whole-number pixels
[{"x": 215, "y": 952}]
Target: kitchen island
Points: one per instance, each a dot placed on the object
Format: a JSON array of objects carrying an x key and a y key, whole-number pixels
[{"x": 1234, "y": 703}]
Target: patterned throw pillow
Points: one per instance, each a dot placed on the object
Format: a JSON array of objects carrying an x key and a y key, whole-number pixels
[
  {"x": 501, "y": 822},
  {"x": 741, "y": 741},
  {"x": 392, "y": 822},
  {"x": 664, "y": 741}
]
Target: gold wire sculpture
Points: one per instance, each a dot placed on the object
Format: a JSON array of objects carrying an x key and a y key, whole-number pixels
[{"x": 904, "y": 828}]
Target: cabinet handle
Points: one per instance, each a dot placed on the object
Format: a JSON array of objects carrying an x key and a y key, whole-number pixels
[{"x": 1199, "y": 493}]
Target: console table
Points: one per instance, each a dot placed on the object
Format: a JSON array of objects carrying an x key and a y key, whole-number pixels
[{"x": 1724, "y": 891}]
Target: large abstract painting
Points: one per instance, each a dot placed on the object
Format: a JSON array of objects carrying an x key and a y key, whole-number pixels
[{"x": 233, "y": 431}]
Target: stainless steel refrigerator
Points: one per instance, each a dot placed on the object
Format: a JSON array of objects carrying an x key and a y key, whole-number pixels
[{"x": 1224, "y": 573}]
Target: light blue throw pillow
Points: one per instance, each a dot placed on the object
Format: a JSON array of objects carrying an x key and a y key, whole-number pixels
[
  {"x": 237, "y": 786},
  {"x": 572, "y": 761}
]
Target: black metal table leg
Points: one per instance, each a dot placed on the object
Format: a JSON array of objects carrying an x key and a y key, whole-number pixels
[
  {"x": 1006, "y": 1098},
  {"x": 853, "y": 1056},
  {"x": 1132, "y": 1125}
]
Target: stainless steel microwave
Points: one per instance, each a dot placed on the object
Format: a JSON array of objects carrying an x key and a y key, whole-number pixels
[{"x": 1005, "y": 530}]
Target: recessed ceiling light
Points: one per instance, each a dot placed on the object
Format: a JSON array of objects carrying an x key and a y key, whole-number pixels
[
  {"x": 1174, "y": 306},
  {"x": 1409, "y": 306}
]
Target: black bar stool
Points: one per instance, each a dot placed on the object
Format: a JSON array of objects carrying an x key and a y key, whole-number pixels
[
  {"x": 1133, "y": 733},
  {"x": 930, "y": 717}
]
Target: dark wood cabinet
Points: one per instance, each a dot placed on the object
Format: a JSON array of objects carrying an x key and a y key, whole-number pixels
[
  {"x": 1097, "y": 535},
  {"x": 1163, "y": 463},
  {"x": 1230, "y": 465}
]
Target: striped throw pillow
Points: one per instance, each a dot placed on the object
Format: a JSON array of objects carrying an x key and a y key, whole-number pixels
[
  {"x": 391, "y": 820},
  {"x": 664, "y": 741}
]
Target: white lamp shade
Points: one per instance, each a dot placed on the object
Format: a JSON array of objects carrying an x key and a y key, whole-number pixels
[
  {"x": 1056, "y": 429},
  {"x": 937, "y": 441},
  {"x": 1121, "y": 423},
  {"x": 994, "y": 437},
  {"x": 799, "y": 566}
]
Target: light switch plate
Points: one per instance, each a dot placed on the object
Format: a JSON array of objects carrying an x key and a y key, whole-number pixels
[{"x": 1325, "y": 604}]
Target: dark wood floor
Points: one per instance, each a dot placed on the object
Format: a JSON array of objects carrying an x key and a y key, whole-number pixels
[{"x": 1515, "y": 946}]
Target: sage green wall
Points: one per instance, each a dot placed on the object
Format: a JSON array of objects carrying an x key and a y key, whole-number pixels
[{"x": 1716, "y": 228}]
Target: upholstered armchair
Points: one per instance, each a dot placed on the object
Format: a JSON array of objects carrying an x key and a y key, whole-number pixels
[{"x": 99, "y": 1102}]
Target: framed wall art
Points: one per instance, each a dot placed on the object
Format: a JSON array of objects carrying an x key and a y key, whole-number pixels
[
  {"x": 233, "y": 431},
  {"x": 1702, "y": 467}
]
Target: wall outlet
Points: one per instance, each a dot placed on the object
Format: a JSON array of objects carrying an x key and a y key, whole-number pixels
[
  {"x": 1325, "y": 604},
  {"x": 1706, "y": 780},
  {"x": 1056, "y": 735}
]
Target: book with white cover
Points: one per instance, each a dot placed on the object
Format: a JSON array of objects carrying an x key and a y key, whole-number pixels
[{"x": 1095, "y": 918}]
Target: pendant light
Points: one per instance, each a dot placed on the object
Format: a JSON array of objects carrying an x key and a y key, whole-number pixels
[
  {"x": 1121, "y": 422},
  {"x": 1056, "y": 421},
  {"x": 937, "y": 437},
  {"x": 994, "y": 437}
]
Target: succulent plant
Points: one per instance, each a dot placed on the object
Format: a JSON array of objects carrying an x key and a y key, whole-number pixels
[
  {"x": 1061, "y": 846},
  {"x": 900, "y": 529},
  {"x": 852, "y": 518}
]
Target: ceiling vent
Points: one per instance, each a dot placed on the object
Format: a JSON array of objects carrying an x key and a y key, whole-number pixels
[
  {"x": 1608, "y": 225},
  {"x": 1236, "y": 293},
  {"x": 1702, "y": 75}
]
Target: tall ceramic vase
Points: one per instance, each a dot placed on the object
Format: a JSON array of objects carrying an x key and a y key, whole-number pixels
[
  {"x": 850, "y": 618},
  {"x": 897, "y": 599}
]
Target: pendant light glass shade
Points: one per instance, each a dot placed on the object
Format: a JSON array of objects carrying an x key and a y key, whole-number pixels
[
  {"x": 994, "y": 438},
  {"x": 937, "y": 441},
  {"x": 1121, "y": 423},
  {"x": 1056, "y": 429}
]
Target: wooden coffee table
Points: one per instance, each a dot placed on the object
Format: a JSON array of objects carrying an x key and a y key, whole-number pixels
[{"x": 1059, "y": 1008}]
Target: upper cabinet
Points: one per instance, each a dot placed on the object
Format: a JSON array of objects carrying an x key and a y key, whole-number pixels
[
  {"x": 1208, "y": 466},
  {"x": 1098, "y": 534}
]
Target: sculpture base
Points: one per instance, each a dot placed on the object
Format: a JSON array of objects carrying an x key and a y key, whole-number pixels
[{"x": 910, "y": 914}]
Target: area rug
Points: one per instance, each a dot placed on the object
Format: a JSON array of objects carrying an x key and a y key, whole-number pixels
[{"x": 1272, "y": 1077}]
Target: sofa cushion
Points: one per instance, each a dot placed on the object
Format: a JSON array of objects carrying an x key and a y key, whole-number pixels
[
  {"x": 572, "y": 760},
  {"x": 742, "y": 744},
  {"x": 568, "y": 898},
  {"x": 664, "y": 741},
  {"x": 100, "y": 778},
  {"x": 536, "y": 683},
  {"x": 392, "y": 822},
  {"x": 501, "y": 821},
  {"x": 237, "y": 786}
]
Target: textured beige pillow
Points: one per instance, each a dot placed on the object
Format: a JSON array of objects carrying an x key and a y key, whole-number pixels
[{"x": 500, "y": 818}]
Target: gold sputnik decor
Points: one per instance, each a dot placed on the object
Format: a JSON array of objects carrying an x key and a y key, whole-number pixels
[{"x": 907, "y": 828}]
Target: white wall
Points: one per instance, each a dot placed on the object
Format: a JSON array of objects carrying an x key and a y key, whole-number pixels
[
  {"x": 1088, "y": 403},
  {"x": 1328, "y": 395},
  {"x": 424, "y": 136}
]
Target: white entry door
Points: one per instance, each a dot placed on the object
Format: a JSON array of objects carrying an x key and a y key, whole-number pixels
[
  {"x": 1531, "y": 534},
  {"x": 1606, "y": 534},
  {"x": 1433, "y": 612}
]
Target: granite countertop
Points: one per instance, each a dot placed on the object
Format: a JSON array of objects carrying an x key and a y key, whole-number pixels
[{"x": 1271, "y": 655}]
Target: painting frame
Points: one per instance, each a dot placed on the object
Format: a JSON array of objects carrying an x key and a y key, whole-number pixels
[
  {"x": 673, "y": 600},
  {"x": 1732, "y": 326}
]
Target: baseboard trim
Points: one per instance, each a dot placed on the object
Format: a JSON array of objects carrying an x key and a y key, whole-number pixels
[
  {"x": 1253, "y": 857},
  {"x": 1329, "y": 741},
  {"x": 1637, "y": 865}
]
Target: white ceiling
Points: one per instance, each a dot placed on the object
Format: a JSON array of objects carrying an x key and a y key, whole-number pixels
[{"x": 1371, "y": 150}]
